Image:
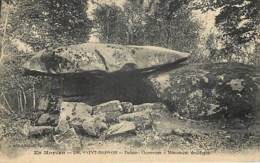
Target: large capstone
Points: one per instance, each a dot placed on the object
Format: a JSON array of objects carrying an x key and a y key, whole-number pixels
[{"x": 101, "y": 57}]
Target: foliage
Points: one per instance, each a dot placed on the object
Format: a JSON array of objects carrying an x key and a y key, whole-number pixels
[
  {"x": 111, "y": 23},
  {"x": 38, "y": 24},
  {"x": 44, "y": 24},
  {"x": 18, "y": 92},
  {"x": 173, "y": 26},
  {"x": 169, "y": 24},
  {"x": 135, "y": 15},
  {"x": 238, "y": 21}
]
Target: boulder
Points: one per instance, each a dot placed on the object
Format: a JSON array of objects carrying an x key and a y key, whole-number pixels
[
  {"x": 48, "y": 119},
  {"x": 79, "y": 107},
  {"x": 23, "y": 126},
  {"x": 122, "y": 128},
  {"x": 207, "y": 91},
  {"x": 110, "y": 110},
  {"x": 149, "y": 106},
  {"x": 127, "y": 107},
  {"x": 94, "y": 126},
  {"x": 43, "y": 104},
  {"x": 40, "y": 130},
  {"x": 111, "y": 106},
  {"x": 111, "y": 117},
  {"x": 146, "y": 113},
  {"x": 62, "y": 126},
  {"x": 141, "y": 119},
  {"x": 75, "y": 112},
  {"x": 68, "y": 139},
  {"x": 72, "y": 114}
]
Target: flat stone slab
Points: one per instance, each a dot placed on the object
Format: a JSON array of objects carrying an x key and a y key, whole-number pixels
[
  {"x": 111, "y": 106},
  {"x": 68, "y": 139},
  {"x": 121, "y": 128},
  {"x": 101, "y": 57}
]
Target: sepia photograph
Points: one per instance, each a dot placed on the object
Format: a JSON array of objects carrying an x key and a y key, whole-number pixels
[{"x": 129, "y": 81}]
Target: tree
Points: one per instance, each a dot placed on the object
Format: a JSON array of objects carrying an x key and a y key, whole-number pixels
[
  {"x": 163, "y": 23},
  {"x": 110, "y": 22},
  {"x": 123, "y": 25},
  {"x": 40, "y": 24},
  {"x": 238, "y": 21},
  {"x": 6, "y": 1},
  {"x": 171, "y": 25},
  {"x": 135, "y": 15}
]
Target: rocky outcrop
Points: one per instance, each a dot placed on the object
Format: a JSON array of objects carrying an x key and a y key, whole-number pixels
[
  {"x": 118, "y": 94},
  {"x": 99, "y": 73}
]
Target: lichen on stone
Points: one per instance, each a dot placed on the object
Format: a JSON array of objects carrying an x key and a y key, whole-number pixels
[
  {"x": 196, "y": 94},
  {"x": 220, "y": 77},
  {"x": 206, "y": 80},
  {"x": 236, "y": 84},
  {"x": 212, "y": 109}
]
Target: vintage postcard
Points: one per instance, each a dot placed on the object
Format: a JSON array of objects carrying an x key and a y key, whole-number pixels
[{"x": 129, "y": 81}]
